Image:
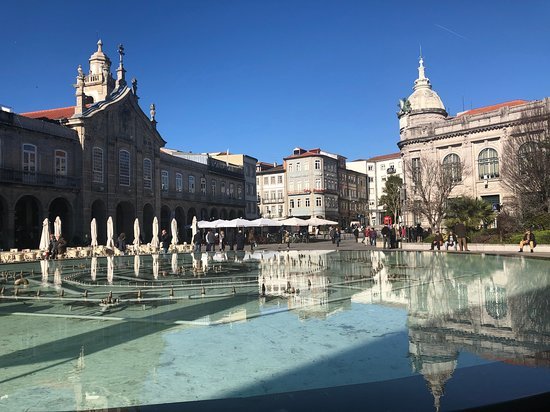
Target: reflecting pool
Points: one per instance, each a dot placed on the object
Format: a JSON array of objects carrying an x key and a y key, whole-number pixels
[{"x": 449, "y": 330}]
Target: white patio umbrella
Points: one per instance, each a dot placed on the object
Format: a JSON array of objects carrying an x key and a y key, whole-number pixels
[
  {"x": 206, "y": 224},
  {"x": 57, "y": 227},
  {"x": 239, "y": 222},
  {"x": 45, "y": 236},
  {"x": 294, "y": 221},
  {"x": 110, "y": 234},
  {"x": 174, "y": 230},
  {"x": 316, "y": 221},
  {"x": 136, "y": 234},
  {"x": 194, "y": 228},
  {"x": 155, "y": 243},
  {"x": 137, "y": 264},
  {"x": 265, "y": 222},
  {"x": 93, "y": 233}
]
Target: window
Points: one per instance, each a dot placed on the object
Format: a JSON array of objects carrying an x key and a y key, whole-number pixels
[
  {"x": 290, "y": 167},
  {"x": 528, "y": 154},
  {"x": 60, "y": 163},
  {"x": 452, "y": 167},
  {"x": 318, "y": 202},
  {"x": 203, "y": 185},
  {"x": 29, "y": 158},
  {"x": 164, "y": 180},
  {"x": 487, "y": 163},
  {"x": 371, "y": 179},
  {"x": 279, "y": 179},
  {"x": 318, "y": 184},
  {"x": 213, "y": 185},
  {"x": 291, "y": 203},
  {"x": 124, "y": 168},
  {"x": 298, "y": 167},
  {"x": 239, "y": 192},
  {"x": 308, "y": 202},
  {"x": 317, "y": 165},
  {"x": 179, "y": 182},
  {"x": 273, "y": 195},
  {"x": 299, "y": 202},
  {"x": 191, "y": 184},
  {"x": 231, "y": 190},
  {"x": 370, "y": 168},
  {"x": 97, "y": 165},
  {"x": 272, "y": 180},
  {"x": 222, "y": 189},
  {"x": 266, "y": 180},
  {"x": 147, "y": 174},
  {"x": 415, "y": 170},
  {"x": 279, "y": 194}
]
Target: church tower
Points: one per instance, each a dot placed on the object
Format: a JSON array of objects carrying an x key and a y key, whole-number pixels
[
  {"x": 99, "y": 82},
  {"x": 423, "y": 106}
]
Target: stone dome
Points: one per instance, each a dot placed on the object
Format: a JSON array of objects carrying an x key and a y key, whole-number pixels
[{"x": 423, "y": 97}]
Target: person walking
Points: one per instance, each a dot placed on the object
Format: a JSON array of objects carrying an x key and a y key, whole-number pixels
[
  {"x": 221, "y": 240},
  {"x": 373, "y": 235},
  {"x": 197, "y": 240},
  {"x": 337, "y": 236},
  {"x": 164, "y": 240},
  {"x": 210, "y": 240},
  {"x": 356, "y": 234},
  {"x": 386, "y": 236},
  {"x": 239, "y": 240},
  {"x": 460, "y": 231}
]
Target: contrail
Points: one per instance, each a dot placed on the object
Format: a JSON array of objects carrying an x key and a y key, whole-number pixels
[{"x": 450, "y": 31}]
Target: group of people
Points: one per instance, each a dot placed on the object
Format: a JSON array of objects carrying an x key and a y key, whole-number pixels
[
  {"x": 221, "y": 239},
  {"x": 335, "y": 235},
  {"x": 455, "y": 240}
]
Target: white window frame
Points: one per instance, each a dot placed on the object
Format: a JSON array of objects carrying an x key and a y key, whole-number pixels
[
  {"x": 164, "y": 180},
  {"x": 147, "y": 173},
  {"x": 124, "y": 164}
]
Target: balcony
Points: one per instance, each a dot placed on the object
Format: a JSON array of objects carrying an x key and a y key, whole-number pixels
[{"x": 38, "y": 179}]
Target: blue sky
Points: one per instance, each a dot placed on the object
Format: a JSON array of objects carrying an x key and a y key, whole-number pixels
[{"x": 261, "y": 77}]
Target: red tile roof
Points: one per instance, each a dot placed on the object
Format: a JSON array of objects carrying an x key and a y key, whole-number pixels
[
  {"x": 487, "y": 109},
  {"x": 53, "y": 114}
]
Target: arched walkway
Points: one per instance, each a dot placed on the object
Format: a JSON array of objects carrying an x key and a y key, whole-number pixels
[
  {"x": 223, "y": 214},
  {"x": 28, "y": 225},
  {"x": 204, "y": 214},
  {"x": 165, "y": 218},
  {"x": 62, "y": 208},
  {"x": 213, "y": 214},
  {"x": 147, "y": 226},
  {"x": 99, "y": 212},
  {"x": 3, "y": 224},
  {"x": 179, "y": 215},
  {"x": 124, "y": 220}
]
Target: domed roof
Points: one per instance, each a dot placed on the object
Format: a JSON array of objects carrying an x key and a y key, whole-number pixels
[{"x": 423, "y": 97}]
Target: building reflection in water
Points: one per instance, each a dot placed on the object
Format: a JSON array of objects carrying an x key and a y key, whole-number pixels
[{"x": 492, "y": 307}]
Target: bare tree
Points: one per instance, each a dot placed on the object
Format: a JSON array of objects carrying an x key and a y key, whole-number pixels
[
  {"x": 526, "y": 163},
  {"x": 391, "y": 198},
  {"x": 432, "y": 183}
]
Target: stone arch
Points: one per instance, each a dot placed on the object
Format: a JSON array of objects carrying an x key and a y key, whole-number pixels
[
  {"x": 28, "y": 225},
  {"x": 124, "y": 220},
  {"x": 179, "y": 215},
  {"x": 165, "y": 218},
  {"x": 204, "y": 214},
  {"x": 99, "y": 212},
  {"x": 147, "y": 226},
  {"x": 213, "y": 213},
  {"x": 4, "y": 238},
  {"x": 62, "y": 208},
  {"x": 232, "y": 214},
  {"x": 223, "y": 214}
]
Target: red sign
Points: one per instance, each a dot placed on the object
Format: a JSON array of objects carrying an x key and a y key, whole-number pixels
[{"x": 387, "y": 220}]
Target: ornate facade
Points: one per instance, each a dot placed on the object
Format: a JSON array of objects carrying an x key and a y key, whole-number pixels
[{"x": 104, "y": 157}]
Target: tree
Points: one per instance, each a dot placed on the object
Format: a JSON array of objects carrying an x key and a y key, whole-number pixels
[
  {"x": 469, "y": 210},
  {"x": 432, "y": 183},
  {"x": 526, "y": 164},
  {"x": 391, "y": 199}
]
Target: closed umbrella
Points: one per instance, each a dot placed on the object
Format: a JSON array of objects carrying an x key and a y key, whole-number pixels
[
  {"x": 45, "y": 237},
  {"x": 93, "y": 233},
  {"x": 194, "y": 228},
  {"x": 110, "y": 234},
  {"x": 110, "y": 269},
  {"x": 174, "y": 263},
  {"x": 136, "y": 234},
  {"x": 44, "y": 266},
  {"x": 57, "y": 227},
  {"x": 155, "y": 241},
  {"x": 174, "y": 230}
]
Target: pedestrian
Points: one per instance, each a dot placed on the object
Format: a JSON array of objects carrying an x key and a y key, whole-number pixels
[
  {"x": 337, "y": 236},
  {"x": 164, "y": 240},
  {"x": 332, "y": 234},
  {"x": 221, "y": 240},
  {"x": 210, "y": 240},
  {"x": 60, "y": 247},
  {"x": 251, "y": 239},
  {"x": 386, "y": 236},
  {"x": 452, "y": 241},
  {"x": 373, "y": 235},
  {"x": 230, "y": 239},
  {"x": 460, "y": 231},
  {"x": 52, "y": 247},
  {"x": 197, "y": 240},
  {"x": 419, "y": 233},
  {"x": 121, "y": 242},
  {"x": 528, "y": 239},
  {"x": 239, "y": 240}
]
